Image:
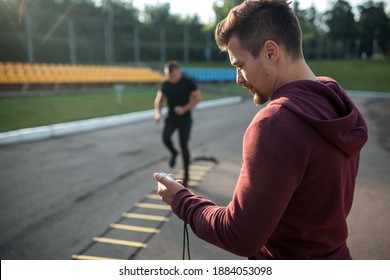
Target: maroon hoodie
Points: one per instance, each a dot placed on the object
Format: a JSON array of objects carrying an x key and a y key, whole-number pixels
[{"x": 297, "y": 180}]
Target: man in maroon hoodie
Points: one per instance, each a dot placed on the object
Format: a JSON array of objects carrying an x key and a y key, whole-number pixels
[{"x": 300, "y": 153}]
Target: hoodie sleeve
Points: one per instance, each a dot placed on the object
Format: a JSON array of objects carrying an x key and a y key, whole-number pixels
[{"x": 273, "y": 165}]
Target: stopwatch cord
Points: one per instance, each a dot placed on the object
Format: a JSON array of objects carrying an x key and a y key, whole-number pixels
[{"x": 186, "y": 242}]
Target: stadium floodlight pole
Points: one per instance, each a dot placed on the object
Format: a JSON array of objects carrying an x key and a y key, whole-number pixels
[
  {"x": 186, "y": 52},
  {"x": 137, "y": 51},
  {"x": 207, "y": 51},
  {"x": 72, "y": 44},
  {"x": 163, "y": 49},
  {"x": 30, "y": 45},
  {"x": 109, "y": 34}
]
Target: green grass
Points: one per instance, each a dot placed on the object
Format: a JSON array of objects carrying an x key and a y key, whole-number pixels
[
  {"x": 364, "y": 75},
  {"x": 17, "y": 113},
  {"x": 23, "y": 112}
]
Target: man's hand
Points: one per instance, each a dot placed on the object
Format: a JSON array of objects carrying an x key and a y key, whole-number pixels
[
  {"x": 157, "y": 117},
  {"x": 168, "y": 188},
  {"x": 180, "y": 110}
]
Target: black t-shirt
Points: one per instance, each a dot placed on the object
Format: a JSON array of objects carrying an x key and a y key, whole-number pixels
[{"x": 178, "y": 94}]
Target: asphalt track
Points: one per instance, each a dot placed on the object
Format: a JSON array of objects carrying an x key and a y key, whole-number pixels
[{"x": 63, "y": 198}]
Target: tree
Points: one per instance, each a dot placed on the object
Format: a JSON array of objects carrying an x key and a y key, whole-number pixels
[
  {"x": 222, "y": 7},
  {"x": 11, "y": 46},
  {"x": 125, "y": 16},
  {"x": 311, "y": 35},
  {"x": 374, "y": 28},
  {"x": 159, "y": 14},
  {"x": 114, "y": 31},
  {"x": 341, "y": 23},
  {"x": 307, "y": 20}
]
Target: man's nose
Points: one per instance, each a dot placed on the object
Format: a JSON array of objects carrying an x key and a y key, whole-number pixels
[{"x": 239, "y": 78}]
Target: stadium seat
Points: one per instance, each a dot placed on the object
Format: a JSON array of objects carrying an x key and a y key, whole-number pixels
[
  {"x": 210, "y": 74},
  {"x": 44, "y": 73}
]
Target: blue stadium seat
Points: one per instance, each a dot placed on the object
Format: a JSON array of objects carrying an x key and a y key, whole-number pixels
[{"x": 210, "y": 74}]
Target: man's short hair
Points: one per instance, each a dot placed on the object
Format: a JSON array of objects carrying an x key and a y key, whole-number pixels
[
  {"x": 255, "y": 21},
  {"x": 172, "y": 65}
]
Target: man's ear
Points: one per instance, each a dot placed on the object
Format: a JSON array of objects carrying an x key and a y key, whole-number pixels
[{"x": 271, "y": 51}]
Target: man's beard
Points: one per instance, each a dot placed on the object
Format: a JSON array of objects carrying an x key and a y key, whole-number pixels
[{"x": 259, "y": 99}]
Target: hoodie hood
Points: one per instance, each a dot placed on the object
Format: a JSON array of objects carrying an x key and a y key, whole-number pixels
[{"x": 325, "y": 106}]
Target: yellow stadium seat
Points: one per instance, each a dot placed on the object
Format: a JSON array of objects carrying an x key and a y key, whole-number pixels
[{"x": 17, "y": 72}]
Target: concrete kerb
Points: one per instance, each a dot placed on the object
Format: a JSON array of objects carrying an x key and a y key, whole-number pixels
[{"x": 62, "y": 129}]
